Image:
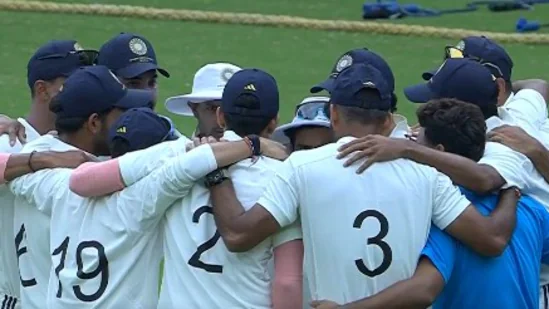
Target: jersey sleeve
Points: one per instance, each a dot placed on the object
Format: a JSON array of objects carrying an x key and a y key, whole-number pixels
[
  {"x": 528, "y": 106},
  {"x": 42, "y": 188},
  {"x": 511, "y": 165},
  {"x": 449, "y": 203},
  {"x": 151, "y": 196},
  {"x": 441, "y": 249},
  {"x": 138, "y": 164},
  {"x": 289, "y": 233},
  {"x": 280, "y": 197}
]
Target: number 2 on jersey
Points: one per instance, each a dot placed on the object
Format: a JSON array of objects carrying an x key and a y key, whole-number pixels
[
  {"x": 102, "y": 269},
  {"x": 195, "y": 258},
  {"x": 376, "y": 240}
]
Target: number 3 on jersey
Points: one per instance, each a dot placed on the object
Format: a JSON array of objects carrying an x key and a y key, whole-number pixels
[
  {"x": 195, "y": 258},
  {"x": 377, "y": 241},
  {"x": 101, "y": 269}
]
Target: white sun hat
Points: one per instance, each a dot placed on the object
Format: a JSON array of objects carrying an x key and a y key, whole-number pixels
[
  {"x": 208, "y": 84},
  {"x": 309, "y": 113}
]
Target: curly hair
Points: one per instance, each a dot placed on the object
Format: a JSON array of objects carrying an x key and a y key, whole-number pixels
[{"x": 458, "y": 126}]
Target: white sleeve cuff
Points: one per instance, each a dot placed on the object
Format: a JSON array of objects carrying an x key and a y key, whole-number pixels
[
  {"x": 196, "y": 163},
  {"x": 282, "y": 218},
  {"x": 453, "y": 213}
]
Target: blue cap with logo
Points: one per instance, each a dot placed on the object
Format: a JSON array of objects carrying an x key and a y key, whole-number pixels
[
  {"x": 142, "y": 128},
  {"x": 355, "y": 56},
  {"x": 257, "y": 83},
  {"x": 357, "y": 77},
  {"x": 463, "y": 79},
  {"x": 483, "y": 50},
  {"x": 95, "y": 89},
  {"x": 129, "y": 55},
  {"x": 57, "y": 58}
]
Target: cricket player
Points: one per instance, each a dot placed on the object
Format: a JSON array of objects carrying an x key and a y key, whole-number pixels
[
  {"x": 100, "y": 251},
  {"x": 249, "y": 105},
  {"x": 24, "y": 267},
  {"x": 450, "y": 272},
  {"x": 374, "y": 208},
  {"x": 205, "y": 97},
  {"x": 310, "y": 127}
]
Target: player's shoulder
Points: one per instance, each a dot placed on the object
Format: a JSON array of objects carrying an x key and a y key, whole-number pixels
[{"x": 42, "y": 143}]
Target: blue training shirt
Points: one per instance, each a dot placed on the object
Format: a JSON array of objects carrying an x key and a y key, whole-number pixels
[{"x": 508, "y": 281}]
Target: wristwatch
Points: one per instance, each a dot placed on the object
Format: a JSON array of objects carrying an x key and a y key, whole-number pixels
[{"x": 216, "y": 177}]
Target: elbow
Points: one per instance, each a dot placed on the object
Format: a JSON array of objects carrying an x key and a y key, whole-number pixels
[
  {"x": 485, "y": 184},
  {"x": 236, "y": 242},
  {"x": 494, "y": 247},
  {"x": 76, "y": 185}
]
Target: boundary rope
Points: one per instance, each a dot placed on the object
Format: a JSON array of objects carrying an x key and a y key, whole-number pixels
[{"x": 265, "y": 20}]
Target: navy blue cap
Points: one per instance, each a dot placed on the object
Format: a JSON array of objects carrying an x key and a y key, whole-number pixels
[
  {"x": 359, "y": 55},
  {"x": 482, "y": 49},
  {"x": 355, "y": 78},
  {"x": 129, "y": 55},
  {"x": 56, "y": 58},
  {"x": 255, "y": 82},
  {"x": 95, "y": 89},
  {"x": 142, "y": 128},
  {"x": 463, "y": 79}
]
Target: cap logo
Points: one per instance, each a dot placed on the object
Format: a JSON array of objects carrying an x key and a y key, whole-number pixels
[
  {"x": 226, "y": 74},
  {"x": 78, "y": 47},
  {"x": 138, "y": 47},
  {"x": 249, "y": 87},
  {"x": 118, "y": 80},
  {"x": 344, "y": 62},
  {"x": 369, "y": 84},
  {"x": 61, "y": 88},
  {"x": 121, "y": 130},
  {"x": 460, "y": 45}
]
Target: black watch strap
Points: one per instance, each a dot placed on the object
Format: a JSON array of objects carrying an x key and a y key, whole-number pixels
[{"x": 216, "y": 177}]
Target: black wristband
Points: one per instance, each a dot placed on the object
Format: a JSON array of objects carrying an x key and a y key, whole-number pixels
[
  {"x": 255, "y": 144},
  {"x": 216, "y": 177},
  {"x": 30, "y": 161}
]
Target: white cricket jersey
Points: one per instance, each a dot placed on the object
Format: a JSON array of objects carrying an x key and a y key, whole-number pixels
[
  {"x": 361, "y": 232},
  {"x": 9, "y": 270},
  {"x": 106, "y": 251},
  {"x": 527, "y": 109},
  {"x": 200, "y": 272}
]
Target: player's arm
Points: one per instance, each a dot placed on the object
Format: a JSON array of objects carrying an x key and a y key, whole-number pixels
[
  {"x": 287, "y": 287},
  {"x": 102, "y": 178},
  {"x": 487, "y": 235},
  {"x": 418, "y": 292},
  {"x": 480, "y": 178},
  {"x": 16, "y": 165},
  {"x": 518, "y": 140},
  {"x": 242, "y": 230}
]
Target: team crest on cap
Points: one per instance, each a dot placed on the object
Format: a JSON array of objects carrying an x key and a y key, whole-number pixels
[
  {"x": 138, "y": 47},
  {"x": 226, "y": 74},
  {"x": 344, "y": 62},
  {"x": 78, "y": 47}
]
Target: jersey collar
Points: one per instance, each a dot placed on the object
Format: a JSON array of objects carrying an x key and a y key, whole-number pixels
[{"x": 31, "y": 133}]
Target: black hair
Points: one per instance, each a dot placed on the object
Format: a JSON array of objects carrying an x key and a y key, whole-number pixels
[
  {"x": 458, "y": 126},
  {"x": 364, "y": 116},
  {"x": 70, "y": 124},
  {"x": 242, "y": 123},
  {"x": 119, "y": 147}
]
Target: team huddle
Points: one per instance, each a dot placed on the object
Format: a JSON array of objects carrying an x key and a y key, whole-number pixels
[{"x": 103, "y": 198}]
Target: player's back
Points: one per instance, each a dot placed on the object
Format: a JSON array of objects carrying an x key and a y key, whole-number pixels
[
  {"x": 201, "y": 272},
  {"x": 364, "y": 232},
  {"x": 102, "y": 256},
  {"x": 508, "y": 281}
]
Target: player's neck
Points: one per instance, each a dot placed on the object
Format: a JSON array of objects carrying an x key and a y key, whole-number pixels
[
  {"x": 78, "y": 140},
  {"x": 43, "y": 121},
  {"x": 359, "y": 130}
]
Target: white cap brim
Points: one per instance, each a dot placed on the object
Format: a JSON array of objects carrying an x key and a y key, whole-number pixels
[
  {"x": 280, "y": 133},
  {"x": 179, "y": 104}
]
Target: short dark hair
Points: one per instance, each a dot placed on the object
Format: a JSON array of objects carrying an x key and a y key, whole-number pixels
[
  {"x": 458, "y": 126},
  {"x": 362, "y": 115},
  {"x": 119, "y": 147},
  {"x": 72, "y": 124},
  {"x": 242, "y": 123}
]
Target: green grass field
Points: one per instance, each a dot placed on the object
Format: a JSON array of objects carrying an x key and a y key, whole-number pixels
[{"x": 297, "y": 58}]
